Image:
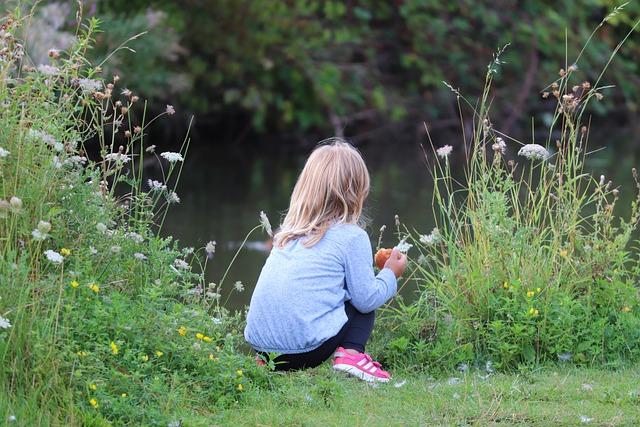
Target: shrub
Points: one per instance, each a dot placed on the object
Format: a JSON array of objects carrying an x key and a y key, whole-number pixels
[
  {"x": 528, "y": 262},
  {"x": 101, "y": 319}
]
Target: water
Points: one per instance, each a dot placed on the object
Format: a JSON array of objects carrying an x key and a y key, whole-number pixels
[{"x": 224, "y": 190}]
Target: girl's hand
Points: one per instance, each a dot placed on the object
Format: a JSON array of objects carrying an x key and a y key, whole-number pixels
[{"x": 397, "y": 262}]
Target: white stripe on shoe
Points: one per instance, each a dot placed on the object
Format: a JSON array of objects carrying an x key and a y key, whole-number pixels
[
  {"x": 352, "y": 370},
  {"x": 361, "y": 362}
]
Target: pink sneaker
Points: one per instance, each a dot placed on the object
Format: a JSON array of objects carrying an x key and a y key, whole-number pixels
[
  {"x": 359, "y": 365},
  {"x": 259, "y": 360}
]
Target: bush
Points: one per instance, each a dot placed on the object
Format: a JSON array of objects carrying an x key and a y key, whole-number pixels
[
  {"x": 101, "y": 319},
  {"x": 528, "y": 263}
]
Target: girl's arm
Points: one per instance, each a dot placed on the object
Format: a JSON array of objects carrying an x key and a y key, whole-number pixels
[{"x": 367, "y": 291}]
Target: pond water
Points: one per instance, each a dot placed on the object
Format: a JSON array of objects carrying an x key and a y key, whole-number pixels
[{"x": 223, "y": 190}]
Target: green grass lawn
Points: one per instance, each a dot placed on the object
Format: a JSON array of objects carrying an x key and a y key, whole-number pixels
[{"x": 549, "y": 397}]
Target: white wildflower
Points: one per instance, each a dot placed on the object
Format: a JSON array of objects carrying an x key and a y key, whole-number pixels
[
  {"x": 151, "y": 149},
  {"x": 93, "y": 250},
  {"x": 156, "y": 185},
  {"x": 44, "y": 226},
  {"x": 422, "y": 260},
  {"x": 431, "y": 238},
  {"x": 584, "y": 419},
  {"x": 210, "y": 249},
  {"x": 454, "y": 381},
  {"x": 403, "y": 246},
  {"x": 213, "y": 295},
  {"x": 181, "y": 264},
  {"x": 101, "y": 228},
  {"x": 238, "y": 286},
  {"x": 456, "y": 396},
  {"x": 170, "y": 110},
  {"x": 56, "y": 162},
  {"x": 4, "y": 323},
  {"x": 116, "y": 249},
  {"x": 48, "y": 70},
  {"x": 75, "y": 160},
  {"x": 12, "y": 418},
  {"x": 89, "y": 86},
  {"x": 117, "y": 157},
  {"x": 444, "y": 151},
  {"x": 499, "y": 145},
  {"x": 463, "y": 367},
  {"x": 266, "y": 225},
  {"x": 16, "y": 203},
  {"x": 586, "y": 387},
  {"x": 172, "y": 198},
  {"x": 4, "y": 153},
  {"x": 172, "y": 157},
  {"x": 565, "y": 357},
  {"x": 533, "y": 152},
  {"x": 38, "y": 235},
  {"x": 137, "y": 238},
  {"x": 216, "y": 320},
  {"x": 49, "y": 140},
  {"x": 489, "y": 367},
  {"x": 139, "y": 256},
  {"x": 53, "y": 256}
]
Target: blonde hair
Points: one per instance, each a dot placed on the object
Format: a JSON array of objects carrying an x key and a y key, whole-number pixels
[{"x": 331, "y": 189}]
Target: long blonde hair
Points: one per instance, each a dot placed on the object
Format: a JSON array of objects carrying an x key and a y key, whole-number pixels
[{"x": 331, "y": 188}]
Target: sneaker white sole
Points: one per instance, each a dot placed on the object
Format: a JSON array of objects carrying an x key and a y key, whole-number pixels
[{"x": 352, "y": 370}]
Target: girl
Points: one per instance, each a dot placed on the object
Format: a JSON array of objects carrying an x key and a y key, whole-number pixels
[{"x": 317, "y": 292}]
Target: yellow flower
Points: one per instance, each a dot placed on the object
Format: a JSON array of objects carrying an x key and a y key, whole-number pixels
[
  {"x": 93, "y": 387},
  {"x": 505, "y": 285},
  {"x": 199, "y": 336},
  {"x": 239, "y": 372},
  {"x": 530, "y": 294},
  {"x": 212, "y": 357},
  {"x": 65, "y": 252},
  {"x": 74, "y": 284},
  {"x": 114, "y": 348},
  {"x": 533, "y": 312},
  {"x": 145, "y": 358},
  {"x": 159, "y": 353},
  {"x": 240, "y": 388},
  {"x": 95, "y": 288},
  {"x": 81, "y": 353},
  {"x": 538, "y": 290},
  {"x": 124, "y": 395},
  {"x": 94, "y": 403},
  {"x": 564, "y": 253},
  {"x": 218, "y": 348},
  {"x": 182, "y": 331},
  {"x": 206, "y": 339},
  {"x": 626, "y": 309}
]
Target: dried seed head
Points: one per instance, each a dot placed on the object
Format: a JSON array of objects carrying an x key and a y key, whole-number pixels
[
  {"x": 124, "y": 110},
  {"x": 586, "y": 85},
  {"x": 110, "y": 86},
  {"x": 575, "y": 88},
  {"x": 583, "y": 129},
  {"x": 127, "y": 134},
  {"x": 116, "y": 78},
  {"x": 137, "y": 129},
  {"x": 554, "y": 86},
  {"x": 545, "y": 95},
  {"x": 54, "y": 53},
  {"x": 556, "y": 94},
  {"x": 134, "y": 98},
  {"x": 616, "y": 193},
  {"x": 118, "y": 104},
  {"x": 599, "y": 96},
  {"x": 572, "y": 68},
  {"x": 562, "y": 72},
  {"x": 558, "y": 144}
]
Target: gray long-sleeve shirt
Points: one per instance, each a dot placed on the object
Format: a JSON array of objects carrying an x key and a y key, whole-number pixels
[{"x": 298, "y": 302}]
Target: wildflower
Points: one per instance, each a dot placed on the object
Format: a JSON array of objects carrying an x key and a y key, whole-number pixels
[
  {"x": 533, "y": 152},
  {"x": 211, "y": 357},
  {"x": 4, "y": 323},
  {"x": 172, "y": 157},
  {"x": 48, "y": 70},
  {"x": 95, "y": 288},
  {"x": 53, "y": 256},
  {"x": 499, "y": 146},
  {"x": 156, "y": 185},
  {"x": 159, "y": 353},
  {"x": 114, "y": 348},
  {"x": 199, "y": 336},
  {"x": 115, "y": 249},
  {"x": 239, "y": 372},
  {"x": 533, "y": 312},
  {"x": 403, "y": 246},
  {"x": 181, "y": 264},
  {"x": 82, "y": 353},
  {"x": 74, "y": 284},
  {"x": 206, "y": 339},
  {"x": 123, "y": 395},
  {"x": 137, "y": 238},
  {"x": 93, "y": 387},
  {"x": 12, "y": 418},
  {"x": 182, "y": 331},
  {"x": 89, "y": 86},
  {"x": 4, "y": 153},
  {"x": 530, "y": 294},
  {"x": 505, "y": 285},
  {"x": 46, "y": 139},
  {"x": 126, "y": 92},
  {"x": 135, "y": 98},
  {"x": 172, "y": 198},
  {"x": 117, "y": 157},
  {"x": 170, "y": 110},
  {"x": 145, "y": 358},
  {"x": 240, "y": 388},
  {"x": 38, "y": 235},
  {"x": 15, "y": 203},
  {"x": 584, "y": 419},
  {"x": 564, "y": 253},
  {"x": 93, "y": 250},
  {"x": 140, "y": 256},
  {"x": 266, "y": 225},
  {"x": 210, "y": 249},
  {"x": 137, "y": 129},
  {"x": 431, "y": 238},
  {"x": 626, "y": 309},
  {"x": 444, "y": 152},
  {"x": 564, "y": 357},
  {"x": 65, "y": 252},
  {"x": 93, "y": 402},
  {"x": 101, "y": 228},
  {"x": 213, "y": 295},
  {"x": 238, "y": 286},
  {"x": 599, "y": 96},
  {"x": 538, "y": 290}
]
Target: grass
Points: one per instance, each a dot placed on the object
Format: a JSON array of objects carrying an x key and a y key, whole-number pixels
[{"x": 551, "y": 396}]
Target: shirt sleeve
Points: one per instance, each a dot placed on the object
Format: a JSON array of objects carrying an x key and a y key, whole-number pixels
[{"x": 367, "y": 291}]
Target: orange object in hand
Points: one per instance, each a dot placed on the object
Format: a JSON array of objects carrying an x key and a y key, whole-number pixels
[{"x": 381, "y": 257}]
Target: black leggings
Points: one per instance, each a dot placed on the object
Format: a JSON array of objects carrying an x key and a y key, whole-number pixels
[{"x": 353, "y": 335}]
